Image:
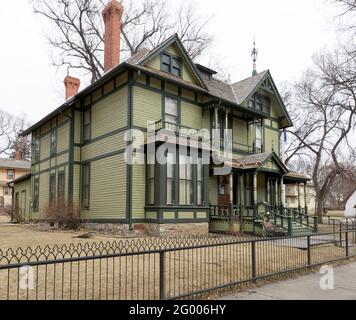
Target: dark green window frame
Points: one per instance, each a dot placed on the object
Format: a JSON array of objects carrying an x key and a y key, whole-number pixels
[
  {"x": 61, "y": 186},
  {"x": 87, "y": 125},
  {"x": 36, "y": 192},
  {"x": 53, "y": 139},
  {"x": 171, "y": 178},
  {"x": 171, "y": 64},
  {"x": 171, "y": 117},
  {"x": 150, "y": 176},
  {"x": 36, "y": 150},
  {"x": 186, "y": 185},
  {"x": 52, "y": 188},
  {"x": 260, "y": 103},
  {"x": 86, "y": 186}
]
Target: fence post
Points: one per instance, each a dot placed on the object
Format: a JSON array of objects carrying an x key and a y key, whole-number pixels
[
  {"x": 162, "y": 282},
  {"x": 253, "y": 257},
  {"x": 315, "y": 224},
  {"x": 309, "y": 251},
  {"x": 290, "y": 228},
  {"x": 347, "y": 243}
]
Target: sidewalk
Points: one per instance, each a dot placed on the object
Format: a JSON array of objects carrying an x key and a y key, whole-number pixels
[{"x": 305, "y": 288}]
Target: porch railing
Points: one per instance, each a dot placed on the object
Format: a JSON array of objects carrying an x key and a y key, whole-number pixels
[
  {"x": 239, "y": 147},
  {"x": 178, "y": 129}
]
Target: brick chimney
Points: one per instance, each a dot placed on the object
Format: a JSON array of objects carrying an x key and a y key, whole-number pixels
[
  {"x": 72, "y": 86},
  {"x": 17, "y": 155},
  {"x": 112, "y": 18}
]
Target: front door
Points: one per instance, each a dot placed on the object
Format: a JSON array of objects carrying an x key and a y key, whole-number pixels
[{"x": 224, "y": 196}]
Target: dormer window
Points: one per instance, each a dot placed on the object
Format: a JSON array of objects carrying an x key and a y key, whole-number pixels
[{"x": 171, "y": 64}]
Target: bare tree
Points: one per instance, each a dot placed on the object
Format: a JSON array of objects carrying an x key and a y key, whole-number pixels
[
  {"x": 78, "y": 34},
  {"x": 326, "y": 104},
  {"x": 20, "y": 148}
]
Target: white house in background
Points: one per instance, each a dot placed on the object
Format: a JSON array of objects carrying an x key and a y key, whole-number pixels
[{"x": 350, "y": 206}]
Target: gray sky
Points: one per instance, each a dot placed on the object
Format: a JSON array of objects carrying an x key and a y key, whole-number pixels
[{"x": 287, "y": 34}]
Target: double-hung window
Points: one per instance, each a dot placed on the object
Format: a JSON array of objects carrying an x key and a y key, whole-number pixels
[
  {"x": 87, "y": 125},
  {"x": 36, "y": 150},
  {"x": 171, "y": 113},
  {"x": 170, "y": 178},
  {"x": 185, "y": 180},
  {"x": 53, "y": 142},
  {"x": 60, "y": 191},
  {"x": 171, "y": 64},
  {"x": 200, "y": 182},
  {"x": 10, "y": 174},
  {"x": 150, "y": 184},
  {"x": 86, "y": 186},
  {"x": 258, "y": 142},
  {"x": 36, "y": 192},
  {"x": 52, "y": 188}
]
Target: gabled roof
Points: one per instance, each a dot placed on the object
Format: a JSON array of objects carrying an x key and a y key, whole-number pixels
[
  {"x": 245, "y": 89},
  {"x": 174, "y": 39},
  {"x": 257, "y": 161}
]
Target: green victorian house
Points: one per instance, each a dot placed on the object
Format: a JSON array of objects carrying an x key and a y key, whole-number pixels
[{"x": 79, "y": 150}]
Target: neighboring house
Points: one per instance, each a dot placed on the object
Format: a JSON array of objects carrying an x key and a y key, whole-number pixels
[
  {"x": 350, "y": 206},
  {"x": 10, "y": 169},
  {"x": 79, "y": 149},
  {"x": 295, "y": 197}
]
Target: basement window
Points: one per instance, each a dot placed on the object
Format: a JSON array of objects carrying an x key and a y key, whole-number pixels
[{"x": 171, "y": 64}]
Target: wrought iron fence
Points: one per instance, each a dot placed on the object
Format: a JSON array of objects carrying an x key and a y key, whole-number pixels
[{"x": 171, "y": 268}]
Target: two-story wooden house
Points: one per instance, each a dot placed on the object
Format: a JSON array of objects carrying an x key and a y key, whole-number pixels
[{"x": 79, "y": 149}]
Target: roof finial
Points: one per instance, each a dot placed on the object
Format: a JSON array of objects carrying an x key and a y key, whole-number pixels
[{"x": 254, "y": 55}]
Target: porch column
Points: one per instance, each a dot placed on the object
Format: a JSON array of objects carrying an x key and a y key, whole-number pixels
[
  {"x": 255, "y": 189},
  {"x": 216, "y": 118},
  {"x": 305, "y": 198},
  {"x": 299, "y": 200},
  {"x": 268, "y": 191},
  {"x": 281, "y": 192},
  {"x": 231, "y": 188},
  {"x": 276, "y": 193},
  {"x": 242, "y": 199}
]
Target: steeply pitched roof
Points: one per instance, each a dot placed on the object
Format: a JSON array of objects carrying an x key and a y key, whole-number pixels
[
  {"x": 14, "y": 164},
  {"x": 243, "y": 89},
  {"x": 234, "y": 94}
]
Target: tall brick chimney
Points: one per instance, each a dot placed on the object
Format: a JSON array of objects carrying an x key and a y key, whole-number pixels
[
  {"x": 72, "y": 86},
  {"x": 112, "y": 18}
]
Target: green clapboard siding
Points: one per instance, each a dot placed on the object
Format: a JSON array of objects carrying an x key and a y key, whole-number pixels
[
  {"x": 45, "y": 146},
  {"x": 77, "y": 127},
  {"x": 138, "y": 191},
  {"x": 206, "y": 122},
  {"x": 108, "y": 189},
  {"x": 147, "y": 106},
  {"x": 44, "y": 192},
  {"x": 104, "y": 146},
  {"x": 271, "y": 140},
  {"x": 76, "y": 185},
  {"x": 191, "y": 115},
  {"x": 110, "y": 113},
  {"x": 240, "y": 131},
  {"x": 63, "y": 137},
  {"x": 23, "y": 188}
]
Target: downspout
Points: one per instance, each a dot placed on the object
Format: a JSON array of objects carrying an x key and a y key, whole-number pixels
[
  {"x": 12, "y": 202},
  {"x": 71, "y": 159}
]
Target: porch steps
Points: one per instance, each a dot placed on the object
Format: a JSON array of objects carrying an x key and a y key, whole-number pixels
[{"x": 297, "y": 228}]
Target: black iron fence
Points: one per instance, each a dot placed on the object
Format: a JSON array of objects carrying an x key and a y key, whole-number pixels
[{"x": 151, "y": 269}]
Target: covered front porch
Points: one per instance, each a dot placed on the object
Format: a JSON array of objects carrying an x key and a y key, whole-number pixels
[{"x": 252, "y": 199}]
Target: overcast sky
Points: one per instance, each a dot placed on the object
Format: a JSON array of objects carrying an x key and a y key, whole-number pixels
[{"x": 287, "y": 33}]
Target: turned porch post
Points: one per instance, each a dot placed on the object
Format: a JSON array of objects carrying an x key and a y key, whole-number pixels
[
  {"x": 299, "y": 200},
  {"x": 305, "y": 198}
]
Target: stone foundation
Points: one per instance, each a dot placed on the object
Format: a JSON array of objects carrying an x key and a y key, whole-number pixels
[
  {"x": 177, "y": 229},
  {"x": 141, "y": 229}
]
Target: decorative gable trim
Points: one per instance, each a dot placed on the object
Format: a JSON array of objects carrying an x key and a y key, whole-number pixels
[
  {"x": 162, "y": 47},
  {"x": 275, "y": 158}
]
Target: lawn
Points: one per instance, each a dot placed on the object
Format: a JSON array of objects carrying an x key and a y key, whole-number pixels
[{"x": 137, "y": 277}]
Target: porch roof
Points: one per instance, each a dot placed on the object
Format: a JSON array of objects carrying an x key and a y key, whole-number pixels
[
  {"x": 268, "y": 161},
  {"x": 293, "y": 177}
]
